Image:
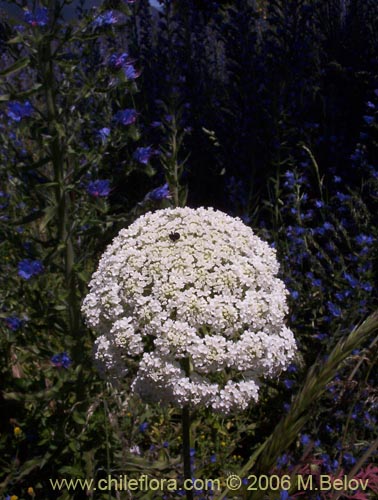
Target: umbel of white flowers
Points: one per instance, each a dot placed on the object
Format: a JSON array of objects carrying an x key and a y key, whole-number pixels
[{"x": 190, "y": 299}]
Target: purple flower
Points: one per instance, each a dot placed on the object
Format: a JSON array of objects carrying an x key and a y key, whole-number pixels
[
  {"x": 117, "y": 61},
  {"x": 305, "y": 439},
  {"x": 143, "y": 426},
  {"x": 18, "y": 110},
  {"x": 126, "y": 116},
  {"x": 13, "y": 323},
  {"x": 368, "y": 119},
  {"x": 61, "y": 360},
  {"x": 362, "y": 240},
  {"x": 288, "y": 383},
  {"x": 28, "y": 268},
  {"x": 104, "y": 134},
  {"x": 39, "y": 18},
  {"x": 4, "y": 197},
  {"x": 99, "y": 188},
  {"x": 143, "y": 155},
  {"x": 334, "y": 309},
  {"x": 130, "y": 72},
  {"x": 160, "y": 193},
  {"x": 106, "y": 19}
]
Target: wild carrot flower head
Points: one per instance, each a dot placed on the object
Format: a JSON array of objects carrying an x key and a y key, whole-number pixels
[{"x": 191, "y": 299}]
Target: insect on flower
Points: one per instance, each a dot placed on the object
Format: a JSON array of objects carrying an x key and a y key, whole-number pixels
[{"x": 174, "y": 236}]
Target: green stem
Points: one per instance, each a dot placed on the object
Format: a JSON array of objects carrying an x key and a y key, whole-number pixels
[
  {"x": 186, "y": 441},
  {"x": 62, "y": 200}
]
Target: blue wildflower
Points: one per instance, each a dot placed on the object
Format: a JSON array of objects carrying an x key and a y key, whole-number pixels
[
  {"x": 368, "y": 119},
  {"x": 165, "y": 444},
  {"x": 18, "y": 110},
  {"x": 349, "y": 459},
  {"x": 305, "y": 439},
  {"x": 143, "y": 427},
  {"x": 282, "y": 460},
  {"x": 13, "y": 323},
  {"x": 126, "y": 116},
  {"x": 363, "y": 239},
  {"x": 367, "y": 287},
  {"x": 143, "y": 155},
  {"x": 290, "y": 179},
  {"x": 213, "y": 459},
  {"x": 160, "y": 193},
  {"x": 28, "y": 268},
  {"x": 353, "y": 282},
  {"x": 104, "y": 134},
  {"x": 61, "y": 360},
  {"x": 334, "y": 309},
  {"x": 342, "y": 197},
  {"x": 39, "y": 18},
  {"x": 288, "y": 383},
  {"x": 117, "y": 61},
  {"x": 106, "y": 19},
  {"x": 99, "y": 188},
  {"x": 284, "y": 495},
  {"x": 328, "y": 226},
  {"x": 4, "y": 197},
  {"x": 130, "y": 72}
]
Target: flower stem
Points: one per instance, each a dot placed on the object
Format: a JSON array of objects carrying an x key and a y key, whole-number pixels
[{"x": 186, "y": 440}]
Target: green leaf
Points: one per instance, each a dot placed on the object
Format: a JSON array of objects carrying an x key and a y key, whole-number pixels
[
  {"x": 21, "y": 63},
  {"x": 50, "y": 213}
]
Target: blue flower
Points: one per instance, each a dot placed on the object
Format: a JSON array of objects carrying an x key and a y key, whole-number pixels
[
  {"x": 4, "y": 197},
  {"x": 126, "y": 116},
  {"x": 13, "y": 323},
  {"x": 368, "y": 119},
  {"x": 334, "y": 309},
  {"x": 117, "y": 61},
  {"x": 349, "y": 459},
  {"x": 143, "y": 426},
  {"x": 61, "y": 360},
  {"x": 353, "y": 282},
  {"x": 290, "y": 179},
  {"x": 362, "y": 240},
  {"x": 143, "y": 155},
  {"x": 28, "y": 268},
  {"x": 39, "y": 18},
  {"x": 342, "y": 197},
  {"x": 213, "y": 459},
  {"x": 305, "y": 439},
  {"x": 160, "y": 193},
  {"x": 284, "y": 495},
  {"x": 288, "y": 383},
  {"x": 165, "y": 444},
  {"x": 99, "y": 188},
  {"x": 106, "y": 19},
  {"x": 104, "y": 134},
  {"x": 282, "y": 460},
  {"x": 130, "y": 72},
  {"x": 18, "y": 110}
]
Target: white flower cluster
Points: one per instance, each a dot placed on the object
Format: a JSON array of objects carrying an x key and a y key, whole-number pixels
[{"x": 190, "y": 299}]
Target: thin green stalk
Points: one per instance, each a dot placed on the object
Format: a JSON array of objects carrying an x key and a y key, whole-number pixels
[{"x": 186, "y": 442}]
